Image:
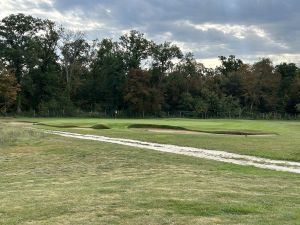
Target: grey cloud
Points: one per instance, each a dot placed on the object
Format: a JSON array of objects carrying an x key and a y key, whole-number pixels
[{"x": 278, "y": 21}]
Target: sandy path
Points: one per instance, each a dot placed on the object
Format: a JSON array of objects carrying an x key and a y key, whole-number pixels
[{"x": 222, "y": 156}]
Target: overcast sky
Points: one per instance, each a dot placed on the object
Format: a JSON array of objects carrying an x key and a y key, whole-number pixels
[{"x": 249, "y": 29}]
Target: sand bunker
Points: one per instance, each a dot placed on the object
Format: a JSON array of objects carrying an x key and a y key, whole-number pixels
[
  {"x": 182, "y": 130},
  {"x": 173, "y": 131},
  {"x": 222, "y": 156},
  {"x": 82, "y": 128}
]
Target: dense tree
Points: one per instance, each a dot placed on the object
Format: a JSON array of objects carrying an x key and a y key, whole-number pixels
[
  {"x": 135, "y": 48},
  {"x": 288, "y": 73},
  {"x": 28, "y": 48},
  {"x": 8, "y": 89},
  {"x": 19, "y": 45},
  {"x": 140, "y": 97},
  {"x": 230, "y": 81},
  {"x": 250, "y": 87},
  {"x": 163, "y": 54},
  {"x": 45, "y": 83},
  {"x": 107, "y": 77},
  {"x": 268, "y": 82},
  {"x": 294, "y": 99},
  {"x": 52, "y": 71},
  {"x": 75, "y": 53},
  {"x": 176, "y": 86},
  {"x": 229, "y": 64},
  {"x": 261, "y": 84}
]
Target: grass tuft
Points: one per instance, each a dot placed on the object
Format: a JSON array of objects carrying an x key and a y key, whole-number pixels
[{"x": 100, "y": 126}]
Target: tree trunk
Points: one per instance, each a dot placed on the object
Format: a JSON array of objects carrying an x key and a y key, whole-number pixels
[
  {"x": 5, "y": 108},
  {"x": 19, "y": 104}
]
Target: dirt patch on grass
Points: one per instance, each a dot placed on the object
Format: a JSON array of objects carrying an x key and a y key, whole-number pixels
[
  {"x": 21, "y": 123},
  {"x": 181, "y": 130}
]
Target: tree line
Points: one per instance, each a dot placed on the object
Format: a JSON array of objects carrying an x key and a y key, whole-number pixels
[{"x": 45, "y": 68}]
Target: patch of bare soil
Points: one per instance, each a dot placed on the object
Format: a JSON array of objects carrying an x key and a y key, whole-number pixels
[{"x": 20, "y": 123}]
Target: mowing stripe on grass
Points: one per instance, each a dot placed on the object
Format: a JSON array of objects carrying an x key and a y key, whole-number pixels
[{"x": 222, "y": 156}]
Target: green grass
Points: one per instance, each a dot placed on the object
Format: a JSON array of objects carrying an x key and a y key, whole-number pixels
[
  {"x": 54, "y": 180},
  {"x": 285, "y": 145}
]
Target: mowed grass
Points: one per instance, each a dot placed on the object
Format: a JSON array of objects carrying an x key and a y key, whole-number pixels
[
  {"x": 285, "y": 145},
  {"x": 46, "y": 179}
]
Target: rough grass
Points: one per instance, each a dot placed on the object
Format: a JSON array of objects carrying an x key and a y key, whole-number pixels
[
  {"x": 9, "y": 135},
  {"x": 56, "y": 180}
]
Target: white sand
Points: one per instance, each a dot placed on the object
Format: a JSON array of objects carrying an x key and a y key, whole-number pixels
[{"x": 222, "y": 156}]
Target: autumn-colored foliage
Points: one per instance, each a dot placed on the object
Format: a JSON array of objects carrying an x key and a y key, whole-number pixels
[
  {"x": 50, "y": 69},
  {"x": 8, "y": 90}
]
